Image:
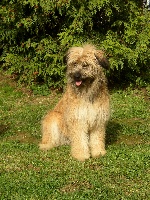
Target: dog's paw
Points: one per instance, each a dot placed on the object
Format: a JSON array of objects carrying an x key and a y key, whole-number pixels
[
  {"x": 81, "y": 157},
  {"x": 103, "y": 152},
  {"x": 96, "y": 154}
]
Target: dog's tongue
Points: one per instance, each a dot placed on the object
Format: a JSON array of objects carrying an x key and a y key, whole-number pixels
[{"x": 78, "y": 83}]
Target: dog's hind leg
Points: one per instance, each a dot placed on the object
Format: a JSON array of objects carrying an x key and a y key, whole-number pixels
[{"x": 51, "y": 131}]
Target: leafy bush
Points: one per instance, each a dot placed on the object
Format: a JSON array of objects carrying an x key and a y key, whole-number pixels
[{"x": 36, "y": 34}]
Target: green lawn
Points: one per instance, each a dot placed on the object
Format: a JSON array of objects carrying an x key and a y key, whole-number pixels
[{"x": 28, "y": 173}]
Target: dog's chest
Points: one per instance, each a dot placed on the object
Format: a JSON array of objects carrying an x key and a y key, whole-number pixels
[{"x": 87, "y": 113}]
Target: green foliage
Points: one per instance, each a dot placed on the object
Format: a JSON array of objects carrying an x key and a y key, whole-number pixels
[
  {"x": 40, "y": 90},
  {"x": 36, "y": 34}
]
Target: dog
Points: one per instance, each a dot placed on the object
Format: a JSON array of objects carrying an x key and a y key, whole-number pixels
[{"x": 81, "y": 115}]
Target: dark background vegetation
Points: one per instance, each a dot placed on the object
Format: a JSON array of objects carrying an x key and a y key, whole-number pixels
[{"x": 36, "y": 34}]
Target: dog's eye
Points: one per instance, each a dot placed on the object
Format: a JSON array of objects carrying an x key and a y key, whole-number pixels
[
  {"x": 84, "y": 66},
  {"x": 74, "y": 64}
]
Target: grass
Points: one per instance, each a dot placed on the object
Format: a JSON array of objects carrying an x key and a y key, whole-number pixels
[{"x": 28, "y": 173}]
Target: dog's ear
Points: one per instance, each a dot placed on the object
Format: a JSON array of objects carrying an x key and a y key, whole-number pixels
[{"x": 102, "y": 60}]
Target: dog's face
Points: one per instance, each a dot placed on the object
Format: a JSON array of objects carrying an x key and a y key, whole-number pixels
[{"x": 84, "y": 65}]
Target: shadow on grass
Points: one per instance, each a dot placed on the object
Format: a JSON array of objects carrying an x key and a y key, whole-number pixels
[
  {"x": 114, "y": 135},
  {"x": 112, "y": 132},
  {"x": 3, "y": 129},
  {"x": 21, "y": 137}
]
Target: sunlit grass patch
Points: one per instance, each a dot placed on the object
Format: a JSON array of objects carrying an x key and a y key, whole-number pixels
[{"x": 28, "y": 173}]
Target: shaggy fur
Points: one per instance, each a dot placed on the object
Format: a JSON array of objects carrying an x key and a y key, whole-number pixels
[{"x": 81, "y": 115}]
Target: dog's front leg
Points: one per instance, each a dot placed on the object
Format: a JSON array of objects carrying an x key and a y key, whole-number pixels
[
  {"x": 97, "y": 143},
  {"x": 79, "y": 144}
]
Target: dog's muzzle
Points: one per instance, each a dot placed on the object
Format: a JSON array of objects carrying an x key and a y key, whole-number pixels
[{"x": 78, "y": 78}]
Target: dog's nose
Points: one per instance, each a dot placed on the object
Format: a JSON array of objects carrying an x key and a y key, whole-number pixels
[{"x": 77, "y": 75}]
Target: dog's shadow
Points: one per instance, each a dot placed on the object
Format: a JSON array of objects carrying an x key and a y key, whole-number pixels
[{"x": 112, "y": 132}]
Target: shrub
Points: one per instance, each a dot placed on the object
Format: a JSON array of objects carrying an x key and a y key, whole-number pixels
[{"x": 36, "y": 34}]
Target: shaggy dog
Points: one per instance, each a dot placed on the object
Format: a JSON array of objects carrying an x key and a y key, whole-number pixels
[{"x": 81, "y": 115}]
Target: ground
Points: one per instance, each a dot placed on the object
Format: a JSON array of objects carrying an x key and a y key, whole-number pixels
[{"x": 28, "y": 173}]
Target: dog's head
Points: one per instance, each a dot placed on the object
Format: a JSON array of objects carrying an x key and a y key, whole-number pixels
[{"x": 84, "y": 65}]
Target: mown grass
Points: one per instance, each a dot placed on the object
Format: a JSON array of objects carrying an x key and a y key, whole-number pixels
[{"x": 28, "y": 173}]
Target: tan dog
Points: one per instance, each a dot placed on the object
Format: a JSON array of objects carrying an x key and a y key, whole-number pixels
[{"x": 81, "y": 115}]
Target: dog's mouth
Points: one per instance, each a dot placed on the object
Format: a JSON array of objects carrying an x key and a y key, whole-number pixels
[
  {"x": 77, "y": 79},
  {"x": 84, "y": 82},
  {"x": 78, "y": 83}
]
